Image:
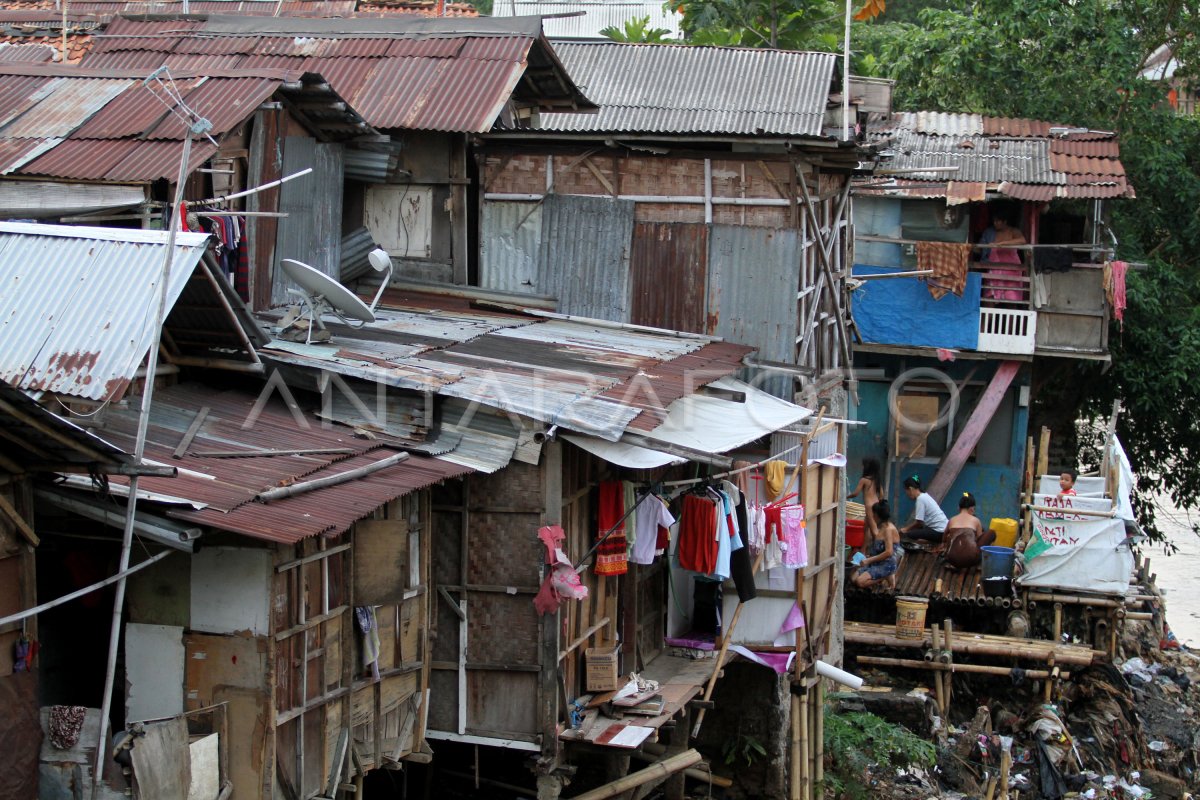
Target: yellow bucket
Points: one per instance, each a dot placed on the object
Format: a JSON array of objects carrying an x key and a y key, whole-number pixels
[
  {"x": 1006, "y": 531},
  {"x": 910, "y": 617}
]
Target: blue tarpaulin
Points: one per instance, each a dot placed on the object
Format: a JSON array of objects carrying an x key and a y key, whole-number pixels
[{"x": 901, "y": 311}]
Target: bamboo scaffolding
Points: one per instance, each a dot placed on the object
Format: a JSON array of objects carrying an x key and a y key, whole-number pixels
[
  {"x": 941, "y": 669},
  {"x": 974, "y": 644},
  {"x": 654, "y": 772}
]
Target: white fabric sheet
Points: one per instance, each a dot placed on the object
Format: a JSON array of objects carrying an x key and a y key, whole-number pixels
[{"x": 703, "y": 422}]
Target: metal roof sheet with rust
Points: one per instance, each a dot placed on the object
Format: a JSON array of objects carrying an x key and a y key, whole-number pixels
[
  {"x": 75, "y": 302},
  {"x": 586, "y": 376},
  {"x": 109, "y": 125},
  {"x": 657, "y": 88},
  {"x": 400, "y": 72},
  {"x": 220, "y": 491},
  {"x": 1021, "y": 158}
]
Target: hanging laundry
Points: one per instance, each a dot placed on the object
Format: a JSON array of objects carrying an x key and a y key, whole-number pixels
[
  {"x": 697, "y": 546},
  {"x": 65, "y": 723},
  {"x": 612, "y": 554},
  {"x": 653, "y": 522},
  {"x": 775, "y": 473},
  {"x": 631, "y": 512},
  {"x": 1114, "y": 288},
  {"x": 948, "y": 262},
  {"x": 794, "y": 541},
  {"x": 368, "y": 626}
]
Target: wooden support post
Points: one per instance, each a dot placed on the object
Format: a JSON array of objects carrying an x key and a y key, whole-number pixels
[
  {"x": 1005, "y": 766},
  {"x": 1043, "y": 459},
  {"x": 818, "y": 740},
  {"x": 1049, "y": 687},
  {"x": 677, "y": 743},
  {"x": 1058, "y": 620}
]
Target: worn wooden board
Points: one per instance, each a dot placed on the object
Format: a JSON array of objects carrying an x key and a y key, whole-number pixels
[
  {"x": 502, "y": 704},
  {"x": 161, "y": 768},
  {"x": 233, "y": 670},
  {"x": 381, "y": 561}
]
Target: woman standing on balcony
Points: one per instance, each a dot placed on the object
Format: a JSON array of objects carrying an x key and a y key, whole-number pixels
[{"x": 1002, "y": 232}]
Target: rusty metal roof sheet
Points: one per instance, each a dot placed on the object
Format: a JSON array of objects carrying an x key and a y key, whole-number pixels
[
  {"x": 649, "y": 88},
  {"x": 1021, "y": 158},
  {"x": 106, "y": 125},
  {"x": 581, "y": 374},
  {"x": 74, "y": 303},
  {"x": 219, "y": 491},
  {"x": 25, "y": 444},
  {"x": 29, "y": 53},
  {"x": 420, "y": 73}
]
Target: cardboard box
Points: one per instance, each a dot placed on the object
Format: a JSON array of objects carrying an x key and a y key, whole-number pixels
[{"x": 602, "y": 674}]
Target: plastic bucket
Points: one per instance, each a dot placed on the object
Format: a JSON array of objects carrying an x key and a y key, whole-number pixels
[
  {"x": 910, "y": 617},
  {"x": 997, "y": 587},
  {"x": 1005, "y": 530},
  {"x": 854, "y": 532},
  {"x": 997, "y": 562}
]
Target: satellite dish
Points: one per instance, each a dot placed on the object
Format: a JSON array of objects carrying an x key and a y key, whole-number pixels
[{"x": 322, "y": 294}]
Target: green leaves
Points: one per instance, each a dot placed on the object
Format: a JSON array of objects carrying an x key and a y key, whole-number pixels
[{"x": 637, "y": 30}]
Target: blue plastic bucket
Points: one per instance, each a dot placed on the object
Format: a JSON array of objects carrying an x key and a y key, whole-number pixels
[{"x": 998, "y": 562}]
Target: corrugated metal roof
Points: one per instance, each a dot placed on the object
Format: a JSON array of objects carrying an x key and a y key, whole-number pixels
[
  {"x": 223, "y": 489},
  {"x": 596, "y": 16},
  {"x": 90, "y": 125},
  {"x": 558, "y": 372},
  {"x": 26, "y": 445},
  {"x": 1024, "y": 159},
  {"x": 646, "y": 88},
  {"x": 423, "y": 73},
  {"x": 28, "y": 53},
  {"x": 75, "y": 304}
]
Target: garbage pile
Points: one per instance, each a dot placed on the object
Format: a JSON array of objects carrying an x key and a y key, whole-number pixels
[{"x": 1129, "y": 731}]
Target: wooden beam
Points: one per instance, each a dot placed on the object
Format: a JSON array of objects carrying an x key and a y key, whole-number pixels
[
  {"x": 191, "y": 432},
  {"x": 24, "y": 527},
  {"x": 972, "y": 432}
]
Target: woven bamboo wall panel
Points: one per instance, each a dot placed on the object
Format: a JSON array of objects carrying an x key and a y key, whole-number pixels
[
  {"x": 522, "y": 174},
  {"x": 662, "y": 176},
  {"x": 447, "y": 548},
  {"x": 668, "y": 212},
  {"x": 753, "y": 216},
  {"x": 444, "y": 631},
  {"x": 575, "y": 176},
  {"x": 745, "y": 178},
  {"x": 501, "y": 629},
  {"x": 502, "y": 704},
  {"x": 504, "y": 549},
  {"x": 516, "y": 486},
  {"x": 443, "y": 700}
]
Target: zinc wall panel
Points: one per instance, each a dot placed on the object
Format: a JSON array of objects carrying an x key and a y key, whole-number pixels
[
  {"x": 753, "y": 281},
  {"x": 509, "y": 246},
  {"x": 583, "y": 258},
  {"x": 669, "y": 275},
  {"x": 312, "y": 231}
]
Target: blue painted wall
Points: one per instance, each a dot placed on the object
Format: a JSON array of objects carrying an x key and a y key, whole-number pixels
[
  {"x": 901, "y": 311},
  {"x": 996, "y": 486}
]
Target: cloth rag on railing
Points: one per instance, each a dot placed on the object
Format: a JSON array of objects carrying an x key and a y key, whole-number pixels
[
  {"x": 948, "y": 261},
  {"x": 1114, "y": 287},
  {"x": 368, "y": 625}
]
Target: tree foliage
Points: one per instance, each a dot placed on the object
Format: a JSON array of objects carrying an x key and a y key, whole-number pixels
[
  {"x": 637, "y": 30},
  {"x": 783, "y": 24},
  {"x": 1077, "y": 62}
]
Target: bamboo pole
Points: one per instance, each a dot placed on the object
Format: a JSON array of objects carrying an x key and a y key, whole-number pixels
[
  {"x": 1058, "y": 619},
  {"x": 662, "y": 769},
  {"x": 991, "y": 788},
  {"x": 1072, "y": 600},
  {"x": 1043, "y": 460},
  {"x": 805, "y": 778},
  {"x": 970, "y": 669},
  {"x": 1005, "y": 766},
  {"x": 818, "y": 770},
  {"x": 794, "y": 773},
  {"x": 939, "y": 690},
  {"x": 948, "y": 632},
  {"x": 975, "y": 645},
  {"x": 1049, "y": 687},
  {"x": 1082, "y": 512}
]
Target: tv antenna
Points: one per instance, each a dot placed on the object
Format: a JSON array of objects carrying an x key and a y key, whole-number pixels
[{"x": 320, "y": 294}]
